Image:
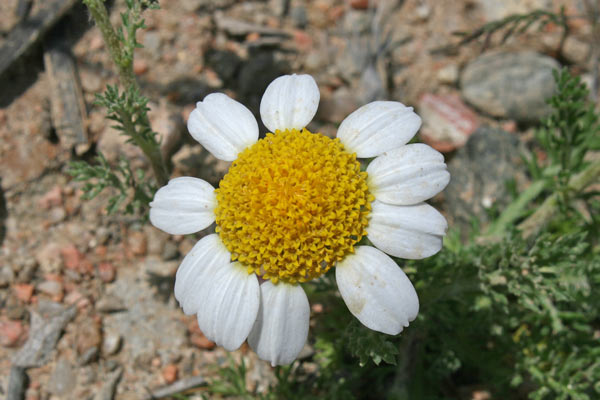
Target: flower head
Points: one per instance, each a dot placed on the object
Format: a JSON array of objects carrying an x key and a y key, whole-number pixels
[{"x": 294, "y": 205}]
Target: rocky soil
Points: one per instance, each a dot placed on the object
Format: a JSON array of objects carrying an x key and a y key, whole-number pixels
[{"x": 87, "y": 309}]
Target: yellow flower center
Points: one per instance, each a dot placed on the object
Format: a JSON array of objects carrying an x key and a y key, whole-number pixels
[{"x": 292, "y": 205}]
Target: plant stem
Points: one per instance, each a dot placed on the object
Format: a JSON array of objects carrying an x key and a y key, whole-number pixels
[
  {"x": 515, "y": 209},
  {"x": 151, "y": 150},
  {"x": 115, "y": 46},
  {"x": 122, "y": 55},
  {"x": 577, "y": 183}
]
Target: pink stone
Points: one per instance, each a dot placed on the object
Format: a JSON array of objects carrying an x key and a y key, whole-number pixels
[
  {"x": 23, "y": 291},
  {"x": 447, "y": 121},
  {"x": 106, "y": 272},
  {"x": 11, "y": 332},
  {"x": 140, "y": 67},
  {"x": 52, "y": 198},
  {"x": 78, "y": 299},
  {"x": 170, "y": 373},
  {"x": 71, "y": 256}
]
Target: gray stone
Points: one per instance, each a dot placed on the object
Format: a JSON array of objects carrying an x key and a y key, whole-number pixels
[
  {"x": 170, "y": 251},
  {"x": 51, "y": 288},
  {"x": 102, "y": 235},
  {"x": 107, "y": 392},
  {"x": 512, "y": 85},
  {"x": 299, "y": 17},
  {"x": 110, "y": 304},
  {"x": 47, "y": 325},
  {"x": 479, "y": 172},
  {"x": 111, "y": 343},
  {"x": 226, "y": 63},
  {"x": 256, "y": 74},
  {"x": 6, "y": 276},
  {"x": 63, "y": 379},
  {"x": 88, "y": 356}
]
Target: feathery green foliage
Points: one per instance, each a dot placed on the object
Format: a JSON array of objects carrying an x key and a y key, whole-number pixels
[
  {"x": 129, "y": 109},
  {"x": 515, "y": 24},
  {"x": 132, "y": 191}
]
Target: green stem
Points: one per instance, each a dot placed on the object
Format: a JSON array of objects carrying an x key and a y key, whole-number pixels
[
  {"x": 151, "y": 150},
  {"x": 122, "y": 55},
  {"x": 516, "y": 208},
  {"x": 115, "y": 46},
  {"x": 577, "y": 183}
]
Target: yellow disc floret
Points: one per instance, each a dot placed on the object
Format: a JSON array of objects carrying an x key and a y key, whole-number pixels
[{"x": 292, "y": 205}]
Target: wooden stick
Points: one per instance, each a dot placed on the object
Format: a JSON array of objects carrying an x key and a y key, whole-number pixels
[
  {"x": 68, "y": 112},
  {"x": 24, "y": 35}
]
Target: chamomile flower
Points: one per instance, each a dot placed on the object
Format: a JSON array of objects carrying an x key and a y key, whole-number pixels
[{"x": 294, "y": 205}]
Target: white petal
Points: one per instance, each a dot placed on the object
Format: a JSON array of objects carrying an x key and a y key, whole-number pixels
[
  {"x": 378, "y": 127},
  {"x": 412, "y": 232},
  {"x": 204, "y": 256},
  {"x": 290, "y": 102},
  {"x": 376, "y": 290},
  {"x": 281, "y": 328},
  {"x": 229, "y": 306},
  {"x": 223, "y": 126},
  {"x": 184, "y": 206},
  {"x": 408, "y": 175}
]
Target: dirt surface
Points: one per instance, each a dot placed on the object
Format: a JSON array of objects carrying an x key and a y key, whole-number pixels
[{"x": 128, "y": 330}]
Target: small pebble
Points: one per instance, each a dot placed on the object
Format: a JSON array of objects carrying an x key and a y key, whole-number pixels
[
  {"x": 109, "y": 304},
  {"x": 90, "y": 355},
  {"x": 6, "y": 276},
  {"x": 111, "y": 343},
  {"x": 170, "y": 372},
  {"x": 11, "y": 332},
  {"x": 71, "y": 256},
  {"x": 448, "y": 74},
  {"x": 51, "y": 288},
  {"x": 23, "y": 291},
  {"x": 75, "y": 297},
  {"x": 140, "y": 67},
  {"x": 170, "y": 251},
  {"x": 137, "y": 243},
  {"x": 102, "y": 235},
  {"x": 53, "y": 198},
  {"x": 56, "y": 215},
  {"x": 106, "y": 272}
]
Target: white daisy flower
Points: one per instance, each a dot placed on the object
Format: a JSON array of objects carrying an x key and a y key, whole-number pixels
[{"x": 292, "y": 206}]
